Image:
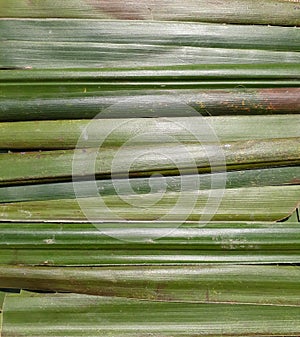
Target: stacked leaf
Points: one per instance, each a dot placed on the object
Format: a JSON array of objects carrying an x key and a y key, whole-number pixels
[
  {"x": 273, "y": 12},
  {"x": 71, "y": 314},
  {"x": 76, "y": 43},
  {"x": 50, "y": 106},
  {"x": 150, "y": 170}
]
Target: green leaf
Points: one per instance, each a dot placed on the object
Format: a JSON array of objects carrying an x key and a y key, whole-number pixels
[
  {"x": 68, "y": 43},
  {"x": 65, "y": 134},
  {"x": 184, "y": 73},
  {"x": 119, "y": 243},
  {"x": 241, "y": 204},
  {"x": 74, "y": 315},
  {"x": 106, "y": 257},
  {"x": 39, "y": 105},
  {"x": 206, "y": 284},
  {"x": 272, "y": 12},
  {"x": 51, "y": 166},
  {"x": 234, "y": 179},
  {"x": 223, "y": 236}
]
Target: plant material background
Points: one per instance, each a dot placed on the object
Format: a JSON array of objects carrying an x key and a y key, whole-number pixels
[{"x": 232, "y": 65}]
